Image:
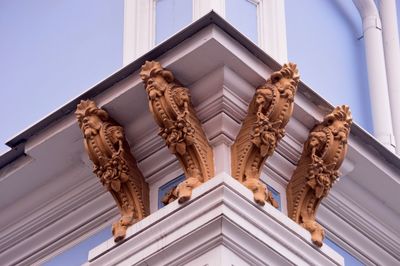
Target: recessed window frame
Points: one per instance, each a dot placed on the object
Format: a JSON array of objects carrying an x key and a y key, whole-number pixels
[
  {"x": 274, "y": 181},
  {"x": 154, "y": 187}
]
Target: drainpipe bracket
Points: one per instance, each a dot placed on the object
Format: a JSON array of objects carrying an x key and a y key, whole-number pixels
[{"x": 371, "y": 22}]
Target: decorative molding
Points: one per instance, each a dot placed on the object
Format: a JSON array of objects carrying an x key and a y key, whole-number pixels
[
  {"x": 182, "y": 131},
  {"x": 115, "y": 166},
  {"x": 317, "y": 169},
  {"x": 267, "y": 116},
  {"x": 62, "y": 239},
  {"x": 53, "y": 226},
  {"x": 354, "y": 232},
  {"x": 220, "y": 212},
  {"x": 366, "y": 227},
  {"x": 48, "y": 212}
]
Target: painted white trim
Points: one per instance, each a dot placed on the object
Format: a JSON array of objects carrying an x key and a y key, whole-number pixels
[
  {"x": 272, "y": 29},
  {"x": 220, "y": 210},
  {"x": 271, "y": 23},
  {"x": 351, "y": 226},
  {"x": 140, "y": 17},
  {"x": 139, "y": 28},
  {"x": 202, "y": 7}
]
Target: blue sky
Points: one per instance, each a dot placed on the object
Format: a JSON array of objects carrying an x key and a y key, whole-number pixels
[{"x": 52, "y": 51}]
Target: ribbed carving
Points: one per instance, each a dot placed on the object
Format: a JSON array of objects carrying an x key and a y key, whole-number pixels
[
  {"x": 172, "y": 109},
  {"x": 317, "y": 169},
  {"x": 268, "y": 113},
  {"x": 113, "y": 163}
]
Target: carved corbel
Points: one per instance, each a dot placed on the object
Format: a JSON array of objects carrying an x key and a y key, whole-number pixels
[
  {"x": 317, "y": 170},
  {"x": 113, "y": 163},
  {"x": 269, "y": 112},
  {"x": 171, "y": 106}
]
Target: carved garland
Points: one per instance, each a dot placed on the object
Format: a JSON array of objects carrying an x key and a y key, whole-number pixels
[
  {"x": 267, "y": 116},
  {"x": 317, "y": 169},
  {"x": 113, "y": 163},
  {"x": 171, "y": 107}
]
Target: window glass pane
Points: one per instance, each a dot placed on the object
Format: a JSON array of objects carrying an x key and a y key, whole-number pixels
[
  {"x": 167, "y": 187},
  {"x": 276, "y": 196},
  {"x": 243, "y": 15},
  {"x": 78, "y": 254},
  {"x": 171, "y": 16},
  {"x": 349, "y": 260}
]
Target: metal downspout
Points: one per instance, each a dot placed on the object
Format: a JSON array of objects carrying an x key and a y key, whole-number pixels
[
  {"x": 378, "y": 87},
  {"x": 387, "y": 9}
]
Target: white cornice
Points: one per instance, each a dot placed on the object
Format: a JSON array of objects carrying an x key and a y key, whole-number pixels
[
  {"x": 221, "y": 211},
  {"x": 372, "y": 228},
  {"x": 58, "y": 224}
]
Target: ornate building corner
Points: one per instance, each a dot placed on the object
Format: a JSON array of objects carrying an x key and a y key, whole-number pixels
[
  {"x": 113, "y": 163},
  {"x": 268, "y": 113},
  {"x": 317, "y": 170},
  {"x": 172, "y": 109}
]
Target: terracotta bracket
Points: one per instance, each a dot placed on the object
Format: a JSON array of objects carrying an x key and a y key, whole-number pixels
[
  {"x": 269, "y": 112},
  {"x": 113, "y": 163},
  {"x": 317, "y": 169},
  {"x": 171, "y": 106}
]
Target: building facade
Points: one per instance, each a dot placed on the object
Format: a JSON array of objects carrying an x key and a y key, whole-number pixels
[{"x": 52, "y": 201}]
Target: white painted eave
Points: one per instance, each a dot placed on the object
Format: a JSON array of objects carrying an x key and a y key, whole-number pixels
[{"x": 211, "y": 18}]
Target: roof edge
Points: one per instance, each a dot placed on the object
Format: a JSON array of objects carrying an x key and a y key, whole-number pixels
[{"x": 17, "y": 143}]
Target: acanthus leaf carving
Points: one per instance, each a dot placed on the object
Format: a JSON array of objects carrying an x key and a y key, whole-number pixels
[
  {"x": 115, "y": 166},
  {"x": 171, "y": 106},
  {"x": 317, "y": 169},
  {"x": 268, "y": 113}
]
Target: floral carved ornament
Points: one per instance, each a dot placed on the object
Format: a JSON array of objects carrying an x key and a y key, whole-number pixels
[
  {"x": 113, "y": 163},
  {"x": 317, "y": 169},
  {"x": 171, "y": 106},
  {"x": 268, "y": 113}
]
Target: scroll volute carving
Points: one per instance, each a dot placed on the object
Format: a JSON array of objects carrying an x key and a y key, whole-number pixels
[
  {"x": 113, "y": 163},
  {"x": 268, "y": 113},
  {"x": 171, "y": 106},
  {"x": 317, "y": 169}
]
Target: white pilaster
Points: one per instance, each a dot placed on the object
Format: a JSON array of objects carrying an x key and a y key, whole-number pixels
[
  {"x": 272, "y": 29},
  {"x": 202, "y": 7},
  {"x": 139, "y": 19}
]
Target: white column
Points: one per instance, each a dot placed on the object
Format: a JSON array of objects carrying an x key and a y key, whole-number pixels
[{"x": 392, "y": 59}]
